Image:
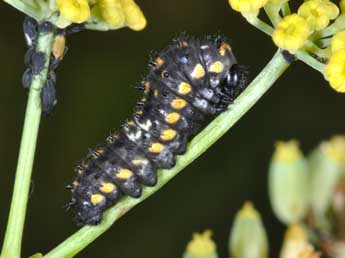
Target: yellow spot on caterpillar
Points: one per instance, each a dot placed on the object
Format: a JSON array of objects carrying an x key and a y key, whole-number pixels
[
  {"x": 96, "y": 199},
  {"x": 184, "y": 43},
  {"x": 124, "y": 173},
  {"x": 168, "y": 135},
  {"x": 156, "y": 147},
  {"x": 172, "y": 118},
  {"x": 216, "y": 67},
  {"x": 131, "y": 123},
  {"x": 198, "y": 72},
  {"x": 137, "y": 162},
  {"x": 178, "y": 103},
  {"x": 107, "y": 187},
  {"x": 184, "y": 88},
  {"x": 143, "y": 99},
  {"x": 75, "y": 184},
  {"x": 155, "y": 93},
  {"x": 159, "y": 61},
  {"x": 147, "y": 86}
]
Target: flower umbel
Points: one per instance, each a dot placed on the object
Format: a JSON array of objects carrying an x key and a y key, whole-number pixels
[
  {"x": 291, "y": 33},
  {"x": 338, "y": 41},
  {"x": 77, "y": 11},
  {"x": 335, "y": 71},
  {"x": 247, "y": 6},
  {"x": 318, "y": 13}
]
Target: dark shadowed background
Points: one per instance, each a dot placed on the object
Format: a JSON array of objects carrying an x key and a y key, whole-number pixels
[{"x": 95, "y": 94}]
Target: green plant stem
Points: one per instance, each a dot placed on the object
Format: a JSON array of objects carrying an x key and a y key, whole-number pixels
[
  {"x": 286, "y": 9},
  {"x": 15, "y": 225},
  {"x": 337, "y": 25},
  {"x": 272, "y": 11},
  {"x": 26, "y": 8},
  {"x": 311, "y": 61},
  {"x": 199, "y": 144},
  {"x": 259, "y": 24}
]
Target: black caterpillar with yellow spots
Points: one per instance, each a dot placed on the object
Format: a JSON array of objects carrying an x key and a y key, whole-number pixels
[{"x": 188, "y": 83}]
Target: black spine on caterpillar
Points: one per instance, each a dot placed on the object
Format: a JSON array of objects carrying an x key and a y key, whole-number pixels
[{"x": 188, "y": 83}]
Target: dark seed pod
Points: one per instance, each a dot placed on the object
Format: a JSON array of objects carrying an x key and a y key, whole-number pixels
[
  {"x": 30, "y": 31},
  {"x": 48, "y": 94},
  {"x": 188, "y": 83},
  {"x": 27, "y": 78}
]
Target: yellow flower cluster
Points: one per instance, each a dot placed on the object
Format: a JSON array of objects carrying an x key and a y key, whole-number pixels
[
  {"x": 115, "y": 13},
  {"x": 335, "y": 69},
  {"x": 247, "y": 6}
]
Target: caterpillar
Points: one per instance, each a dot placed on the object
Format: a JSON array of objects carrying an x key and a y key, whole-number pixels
[{"x": 188, "y": 83}]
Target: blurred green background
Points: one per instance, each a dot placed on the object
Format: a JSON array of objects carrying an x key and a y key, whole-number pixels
[{"x": 95, "y": 94}]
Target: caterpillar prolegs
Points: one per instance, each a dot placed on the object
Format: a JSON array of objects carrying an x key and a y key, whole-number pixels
[{"x": 188, "y": 83}]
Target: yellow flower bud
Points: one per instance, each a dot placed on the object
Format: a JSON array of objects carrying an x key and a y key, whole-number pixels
[
  {"x": 295, "y": 241},
  {"x": 77, "y": 11},
  {"x": 338, "y": 41},
  {"x": 111, "y": 12},
  {"x": 201, "y": 246},
  {"x": 135, "y": 18},
  {"x": 326, "y": 165},
  {"x": 248, "y": 236},
  {"x": 291, "y": 33},
  {"x": 335, "y": 71},
  {"x": 288, "y": 182},
  {"x": 247, "y": 6},
  {"x": 318, "y": 13}
]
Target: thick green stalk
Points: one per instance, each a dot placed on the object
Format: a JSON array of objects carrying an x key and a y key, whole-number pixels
[
  {"x": 199, "y": 144},
  {"x": 26, "y": 8},
  {"x": 15, "y": 225}
]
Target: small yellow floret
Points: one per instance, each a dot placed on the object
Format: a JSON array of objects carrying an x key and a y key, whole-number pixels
[
  {"x": 318, "y": 13},
  {"x": 335, "y": 148},
  {"x": 291, "y": 33},
  {"x": 135, "y": 18},
  {"x": 338, "y": 41},
  {"x": 335, "y": 71},
  {"x": 201, "y": 245},
  {"x": 111, "y": 12},
  {"x": 77, "y": 11},
  {"x": 247, "y": 6},
  {"x": 287, "y": 151}
]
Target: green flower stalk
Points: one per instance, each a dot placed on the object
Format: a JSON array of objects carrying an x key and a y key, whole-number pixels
[
  {"x": 327, "y": 164},
  {"x": 288, "y": 183},
  {"x": 201, "y": 246},
  {"x": 248, "y": 236}
]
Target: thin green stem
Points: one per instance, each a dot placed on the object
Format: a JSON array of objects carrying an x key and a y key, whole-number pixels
[
  {"x": 259, "y": 24},
  {"x": 219, "y": 126},
  {"x": 26, "y": 8},
  {"x": 286, "y": 9},
  {"x": 311, "y": 61},
  {"x": 272, "y": 11},
  {"x": 15, "y": 226},
  {"x": 337, "y": 25},
  {"x": 313, "y": 48}
]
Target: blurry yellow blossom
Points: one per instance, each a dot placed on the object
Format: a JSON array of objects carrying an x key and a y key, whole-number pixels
[
  {"x": 201, "y": 246},
  {"x": 295, "y": 241},
  {"x": 287, "y": 151},
  {"x": 77, "y": 11},
  {"x": 291, "y": 33},
  {"x": 335, "y": 70},
  {"x": 135, "y": 18},
  {"x": 338, "y": 41},
  {"x": 247, "y": 6},
  {"x": 335, "y": 148},
  {"x": 318, "y": 13}
]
